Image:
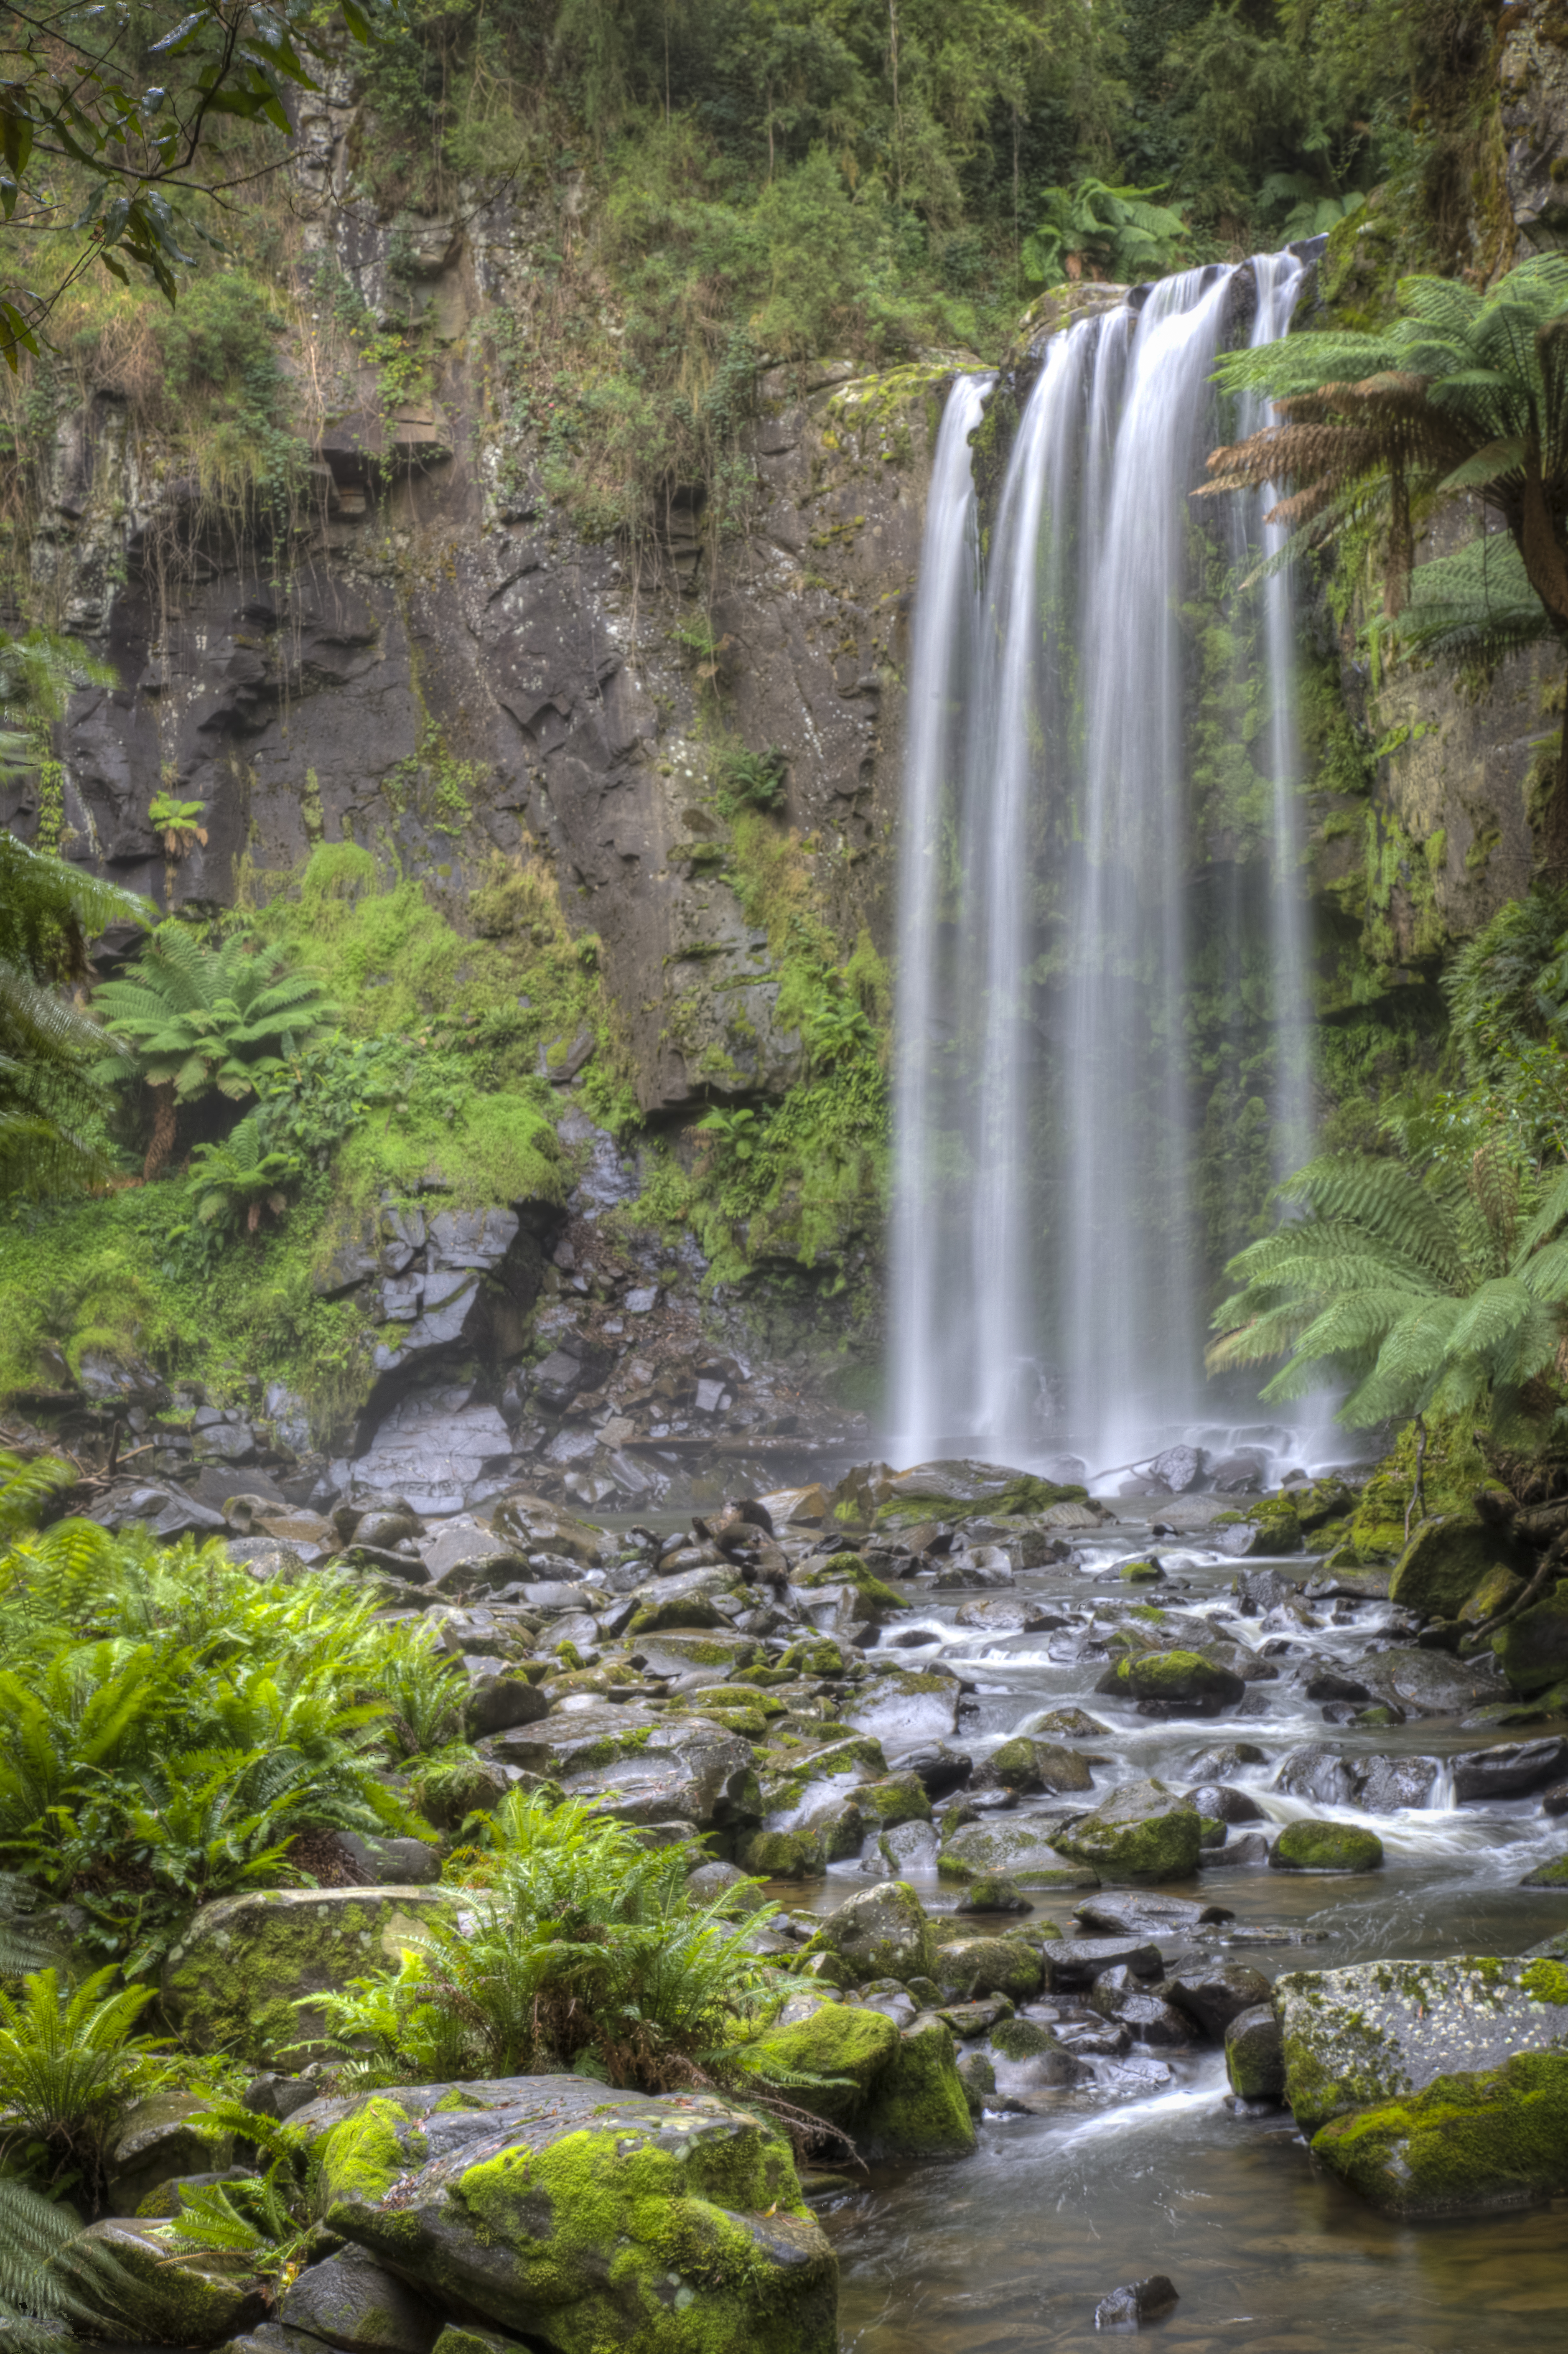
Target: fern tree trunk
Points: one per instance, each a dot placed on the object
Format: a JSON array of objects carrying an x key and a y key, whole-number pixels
[
  {"x": 164, "y": 1119},
  {"x": 1555, "y": 825}
]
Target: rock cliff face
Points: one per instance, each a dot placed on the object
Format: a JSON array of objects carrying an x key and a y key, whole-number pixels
[{"x": 423, "y": 660}]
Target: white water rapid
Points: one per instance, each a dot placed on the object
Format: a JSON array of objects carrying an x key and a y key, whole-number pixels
[{"x": 1102, "y": 952}]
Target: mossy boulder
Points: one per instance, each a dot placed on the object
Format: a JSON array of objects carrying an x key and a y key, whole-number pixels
[
  {"x": 1468, "y": 2144},
  {"x": 901, "y": 1798},
  {"x": 1552, "y": 1873},
  {"x": 1178, "y": 1680},
  {"x": 1444, "y": 1562},
  {"x": 1030, "y": 1766},
  {"x": 1532, "y": 1650},
  {"x": 845, "y": 2044},
  {"x": 232, "y": 1981},
  {"x": 1255, "y": 2054},
  {"x": 783, "y": 1855},
  {"x": 797, "y": 1784},
  {"x": 577, "y": 2218},
  {"x": 1142, "y": 1831},
  {"x": 122, "y": 2271},
  {"x": 848, "y": 1569},
  {"x": 918, "y": 2106},
  {"x": 1498, "y": 1588},
  {"x": 896, "y": 2095},
  {"x": 969, "y": 1968},
  {"x": 1018, "y": 1850},
  {"x": 882, "y": 1933},
  {"x": 1358, "y": 2038},
  {"x": 1311, "y": 1845}
]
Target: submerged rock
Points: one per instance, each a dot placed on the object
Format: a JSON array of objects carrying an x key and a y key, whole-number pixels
[
  {"x": 1137, "y": 2301},
  {"x": 1184, "y": 1681}
]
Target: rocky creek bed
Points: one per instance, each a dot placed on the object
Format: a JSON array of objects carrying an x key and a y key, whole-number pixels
[{"x": 1113, "y": 1866}]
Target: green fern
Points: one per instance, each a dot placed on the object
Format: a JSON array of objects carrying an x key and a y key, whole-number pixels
[
  {"x": 1436, "y": 1289},
  {"x": 33, "y": 2228},
  {"x": 28, "y": 1485},
  {"x": 70, "y": 2066}
]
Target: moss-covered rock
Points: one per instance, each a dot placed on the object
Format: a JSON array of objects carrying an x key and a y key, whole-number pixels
[
  {"x": 917, "y": 2107},
  {"x": 1174, "y": 1680},
  {"x": 849, "y": 1569},
  {"x": 1552, "y": 1873},
  {"x": 1029, "y": 1766},
  {"x": 1532, "y": 1650},
  {"x": 1498, "y": 1588},
  {"x": 1142, "y": 1831},
  {"x": 901, "y": 1798},
  {"x": 844, "y": 2043},
  {"x": 1313, "y": 1845},
  {"x": 1468, "y": 2144},
  {"x": 232, "y": 1981},
  {"x": 1358, "y": 2038},
  {"x": 783, "y": 1855},
  {"x": 123, "y": 2272},
  {"x": 972, "y": 1966},
  {"x": 1255, "y": 2054},
  {"x": 1016, "y": 1850},
  {"x": 882, "y": 1933},
  {"x": 158, "y": 2141},
  {"x": 584, "y": 2219},
  {"x": 1444, "y": 1562}
]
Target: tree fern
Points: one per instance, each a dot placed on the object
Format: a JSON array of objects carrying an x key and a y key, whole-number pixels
[
  {"x": 1461, "y": 395},
  {"x": 1477, "y": 1321}
]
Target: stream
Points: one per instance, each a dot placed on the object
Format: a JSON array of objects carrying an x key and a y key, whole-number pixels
[{"x": 1107, "y": 2181}]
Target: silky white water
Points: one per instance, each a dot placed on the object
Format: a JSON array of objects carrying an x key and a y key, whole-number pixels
[{"x": 1102, "y": 951}]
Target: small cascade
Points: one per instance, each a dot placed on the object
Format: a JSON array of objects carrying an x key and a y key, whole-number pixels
[{"x": 1102, "y": 943}]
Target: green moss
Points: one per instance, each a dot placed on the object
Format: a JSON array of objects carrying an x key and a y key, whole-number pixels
[
  {"x": 900, "y": 1799},
  {"x": 1553, "y": 1874},
  {"x": 849, "y": 1569},
  {"x": 917, "y": 2108},
  {"x": 845, "y": 2043},
  {"x": 1310, "y": 1846},
  {"x": 1469, "y": 2143},
  {"x": 1444, "y": 1562},
  {"x": 363, "y": 2158},
  {"x": 1021, "y": 2039},
  {"x": 1546, "y": 1981}
]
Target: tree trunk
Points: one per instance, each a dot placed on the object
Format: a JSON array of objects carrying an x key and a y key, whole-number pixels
[
  {"x": 164, "y": 1119},
  {"x": 1554, "y": 816}
]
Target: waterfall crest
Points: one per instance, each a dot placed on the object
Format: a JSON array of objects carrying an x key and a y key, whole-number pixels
[{"x": 1102, "y": 944}]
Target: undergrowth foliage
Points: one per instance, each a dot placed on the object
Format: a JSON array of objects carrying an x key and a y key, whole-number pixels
[{"x": 175, "y": 1727}]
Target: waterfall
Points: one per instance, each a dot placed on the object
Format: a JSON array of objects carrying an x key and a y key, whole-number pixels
[
  {"x": 946, "y": 622},
  {"x": 1101, "y": 803}
]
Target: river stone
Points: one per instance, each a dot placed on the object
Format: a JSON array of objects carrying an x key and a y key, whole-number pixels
[
  {"x": 939, "y": 1768},
  {"x": 647, "y": 1765},
  {"x": 696, "y": 2197},
  {"x": 122, "y": 2271},
  {"x": 1255, "y": 2054},
  {"x": 157, "y": 2142},
  {"x": 349, "y": 2301},
  {"x": 1032, "y": 1767},
  {"x": 900, "y": 1798},
  {"x": 1078, "y": 1961},
  {"x": 849, "y": 2044},
  {"x": 1219, "y": 1763},
  {"x": 1358, "y": 2037},
  {"x": 917, "y": 2107},
  {"x": 1143, "y": 1830},
  {"x": 902, "y": 1706},
  {"x": 1143, "y": 1911},
  {"x": 1552, "y": 1873},
  {"x": 1319, "y": 1773},
  {"x": 498, "y": 1699},
  {"x": 882, "y": 1933},
  {"x": 909, "y": 1847},
  {"x": 1445, "y": 1561},
  {"x": 1018, "y": 1850},
  {"x": 1007, "y": 1614},
  {"x": 976, "y": 1966},
  {"x": 1532, "y": 1650},
  {"x": 231, "y": 1982},
  {"x": 1142, "y": 2009},
  {"x": 1136, "y": 2303},
  {"x": 1468, "y": 2144},
  {"x": 1242, "y": 1854},
  {"x": 1509, "y": 1770},
  {"x": 1213, "y": 1993},
  {"x": 1223, "y": 1804},
  {"x": 1070, "y": 1724},
  {"x": 1179, "y": 1680},
  {"x": 1431, "y": 1683},
  {"x": 1313, "y": 1845}
]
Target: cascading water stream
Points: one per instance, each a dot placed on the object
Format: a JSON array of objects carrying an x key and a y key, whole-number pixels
[{"x": 1048, "y": 1268}]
